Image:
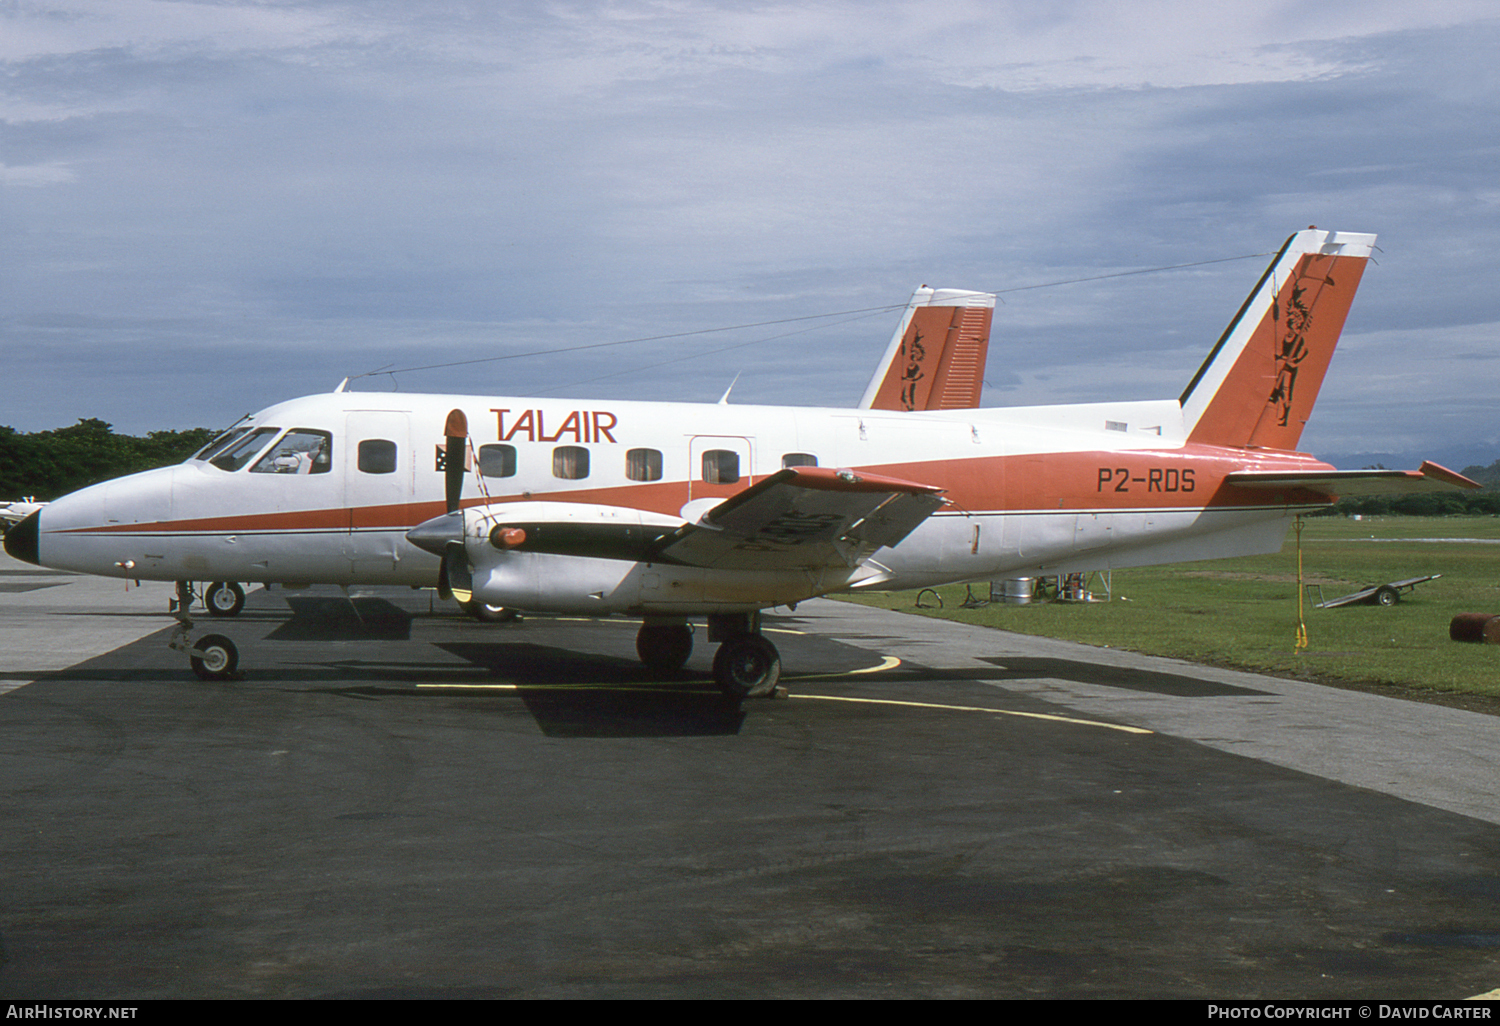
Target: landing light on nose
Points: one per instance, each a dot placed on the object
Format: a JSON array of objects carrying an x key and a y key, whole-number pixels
[{"x": 21, "y": 540}]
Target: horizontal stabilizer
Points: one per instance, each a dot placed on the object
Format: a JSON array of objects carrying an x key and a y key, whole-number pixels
[
  {"x": 1347, "y": 483},
  {"x": 805, "y": 517}
]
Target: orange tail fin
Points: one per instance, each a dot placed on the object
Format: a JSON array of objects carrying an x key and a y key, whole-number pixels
[
  {"x": 1258, "y": 386},
  {"x": 936, "y": 357}
]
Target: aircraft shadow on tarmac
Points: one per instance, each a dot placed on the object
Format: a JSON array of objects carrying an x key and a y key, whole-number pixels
[
  {"x": 1154, "y": 681},
  {"x": 323, "y": 618},
  {"x": 584, "y": 694}
]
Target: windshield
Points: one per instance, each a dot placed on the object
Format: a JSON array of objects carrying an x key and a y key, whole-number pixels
[
  {"x": 237, "y": 451},
  {"x": 214, "y": 447}
]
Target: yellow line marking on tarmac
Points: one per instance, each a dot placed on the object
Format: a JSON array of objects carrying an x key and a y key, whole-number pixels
[
  {"x": 631, "y": 623},
  {"x": 981, "y": 709},
  {"x": 886, "y": 663},
  {"x": 557, "y": 687}
]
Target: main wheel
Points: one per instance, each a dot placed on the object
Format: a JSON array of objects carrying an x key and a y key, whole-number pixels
[
  {"x": 214, "y": 658},
  {"x": 747, "y": 666},
  {"x": 1387, "y": 596},
  {"x": 664, "y": 648},
  {"x": 486, "y": 613},
  {"x": 224, "y": 599}
]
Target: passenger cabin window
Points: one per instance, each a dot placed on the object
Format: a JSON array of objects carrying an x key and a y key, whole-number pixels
[
  {"x": 799, "y": 459},
  {"x": 300, "y": 451},
  {"x": 570, "y": 462},
  {"x": 497, "y": 460},
  {"x": 643, "y": 464},
  {"x": 236, "y": 452},
  {"x": 721, "y": 466},
  {"x": 377, "y": 456}
]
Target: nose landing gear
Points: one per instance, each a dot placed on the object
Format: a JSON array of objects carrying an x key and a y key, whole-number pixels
[{"x": 213, "y": 657}]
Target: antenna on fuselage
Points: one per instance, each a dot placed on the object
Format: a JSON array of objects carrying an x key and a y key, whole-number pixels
[
  {"x": 341, "y": 387},
  {"x": 724, "y": 399}
]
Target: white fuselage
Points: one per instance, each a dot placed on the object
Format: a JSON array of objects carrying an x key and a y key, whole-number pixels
[{"x": 1038, "y": 490}]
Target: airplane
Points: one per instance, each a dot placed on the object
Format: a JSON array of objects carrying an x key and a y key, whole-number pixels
[
  {"x": 675, "y": 512},
  {"x": 14, "y": 512}
]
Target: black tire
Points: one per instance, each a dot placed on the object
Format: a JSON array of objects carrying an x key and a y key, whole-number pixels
[
  {"x": 224, "y": 598},
  {"x": 1387, "y": 596},
  {"x": 664, "y": 648},
  {"x": 214, "y": 658},
  {"x": 747, "y": 666},
  {"x": 486, "y": 613}
]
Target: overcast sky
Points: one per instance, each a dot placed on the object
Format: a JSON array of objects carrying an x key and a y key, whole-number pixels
[{"x": 208, "y": 207}]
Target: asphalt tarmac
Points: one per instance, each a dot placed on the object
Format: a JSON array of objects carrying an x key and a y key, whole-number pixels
[{"x": 398, "y": 801}]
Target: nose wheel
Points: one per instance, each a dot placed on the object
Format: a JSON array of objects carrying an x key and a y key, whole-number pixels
[{"x": 213, "y": 657}]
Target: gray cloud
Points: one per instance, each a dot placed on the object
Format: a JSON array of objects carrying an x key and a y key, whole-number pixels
[{"x": 216, "y": 206}]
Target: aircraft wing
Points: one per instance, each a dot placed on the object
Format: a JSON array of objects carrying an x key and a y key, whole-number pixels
[
  {"x": 804, "y": 517},
  {"x": 1346, "y": 483}
]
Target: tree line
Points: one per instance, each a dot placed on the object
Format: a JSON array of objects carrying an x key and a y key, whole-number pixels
[
  {"x": 47, "y": 464},
  {"x": 1486, "y": 501}
]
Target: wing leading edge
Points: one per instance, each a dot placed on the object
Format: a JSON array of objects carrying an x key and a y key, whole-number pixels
[{"x": 805, "y": 518}]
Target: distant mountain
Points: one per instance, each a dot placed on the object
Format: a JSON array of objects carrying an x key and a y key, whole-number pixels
[
  {"x": 1488, "y": 476},
  {"x": 1474, "y": 457}
]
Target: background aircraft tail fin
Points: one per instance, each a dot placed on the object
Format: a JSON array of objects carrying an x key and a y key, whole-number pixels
[
  {"x": 1258, "y": 385},
  {"x": 936, "y": 357}
]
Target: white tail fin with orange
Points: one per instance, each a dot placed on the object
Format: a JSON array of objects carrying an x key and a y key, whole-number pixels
[
  {"x": 1257, "y": 387},
  {"x": 936, "y": 358}
]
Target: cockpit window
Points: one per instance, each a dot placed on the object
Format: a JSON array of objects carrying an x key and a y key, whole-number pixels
[
  {"x": 300, "y": 451},
  {"x": 219, "y": 443},
  {"x": 237, "y": 451}
]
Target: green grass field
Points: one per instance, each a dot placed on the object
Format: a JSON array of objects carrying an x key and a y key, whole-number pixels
[{"x": 1243, "y": 612}]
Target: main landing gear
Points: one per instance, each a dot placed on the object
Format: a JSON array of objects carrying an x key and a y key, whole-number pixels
[
  {"x": 222, "y": 598},
  {"x": 746, "y": 665}
]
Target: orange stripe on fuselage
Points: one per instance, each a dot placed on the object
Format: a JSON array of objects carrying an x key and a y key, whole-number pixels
[{"x": 1188, "y": 478}]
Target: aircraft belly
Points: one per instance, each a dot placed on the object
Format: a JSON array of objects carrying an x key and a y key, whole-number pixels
[
  {"x": 1069, "y": 542},
  {"x": 279, "y": 557},
  {"x": 571, "y": 584}
]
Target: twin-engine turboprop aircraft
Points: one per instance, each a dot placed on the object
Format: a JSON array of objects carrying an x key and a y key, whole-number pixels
[{"x": 672, "y": 511}]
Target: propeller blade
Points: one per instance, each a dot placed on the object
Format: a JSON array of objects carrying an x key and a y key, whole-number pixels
[
  {"x": 455, "y": 453},
  {"x": 457, "y": 574}
]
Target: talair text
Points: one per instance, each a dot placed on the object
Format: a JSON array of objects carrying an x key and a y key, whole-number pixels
[{"x": 581, "y": 425}]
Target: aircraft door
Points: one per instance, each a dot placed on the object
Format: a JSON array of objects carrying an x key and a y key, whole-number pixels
[{"x": 380, "y": 468}]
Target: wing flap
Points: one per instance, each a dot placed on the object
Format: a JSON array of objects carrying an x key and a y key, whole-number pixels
[
  {"x": 1346, "y": 483},
  {"x": 805, "y": 517}
]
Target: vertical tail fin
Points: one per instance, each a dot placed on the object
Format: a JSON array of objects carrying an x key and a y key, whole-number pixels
[
  {"x": 936, "y": 357},
  {"x": 1258, "y": 386}
]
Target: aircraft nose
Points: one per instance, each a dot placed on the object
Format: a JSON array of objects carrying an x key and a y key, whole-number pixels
[{"x": 21, "y": 540}]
